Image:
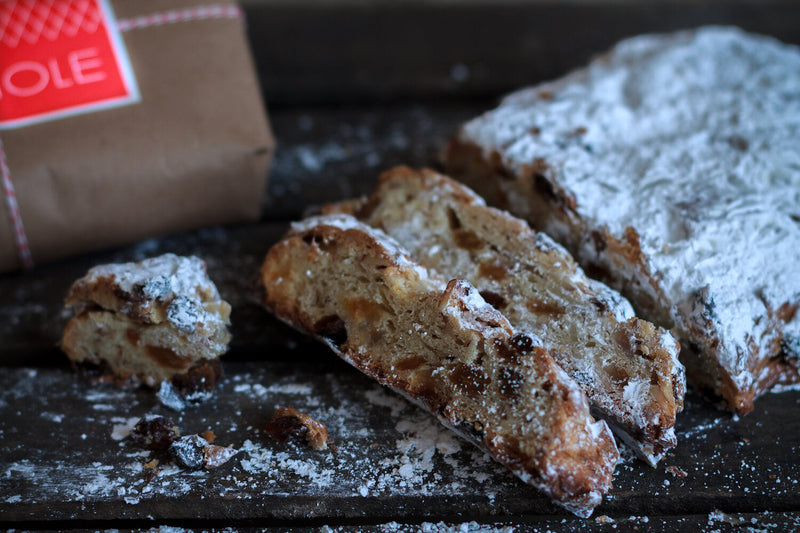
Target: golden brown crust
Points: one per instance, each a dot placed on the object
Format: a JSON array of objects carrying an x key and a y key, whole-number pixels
[
  {"x": 445, "y": 348},
  {"x": 288, "y": 421},
  {"x": 106, "y": 293},
  {"x": 627, "y": 367},
  {"x": 159, "y": 320}
]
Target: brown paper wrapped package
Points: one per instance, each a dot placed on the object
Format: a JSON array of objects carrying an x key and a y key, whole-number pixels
[{"x": 194, "y": 152}]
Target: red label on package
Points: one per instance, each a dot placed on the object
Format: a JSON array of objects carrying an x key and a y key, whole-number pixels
[{"x": 59, "y": 58}]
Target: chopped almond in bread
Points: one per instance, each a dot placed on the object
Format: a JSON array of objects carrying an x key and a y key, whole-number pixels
[
  {"x": 628, "y": 368},
  {"x": 158, "y": 320},
  {"x": 441, "y": 345}
]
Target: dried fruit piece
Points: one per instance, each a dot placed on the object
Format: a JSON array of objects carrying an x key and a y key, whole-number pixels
[
  {"x": 677, "y": 472},
  {"x": 288, "y": 422},
  {"x": 155, "y": 432}
]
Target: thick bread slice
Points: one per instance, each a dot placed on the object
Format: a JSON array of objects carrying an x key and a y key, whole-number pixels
[
  {"x": 444, "y": 347},
  {"x": 161, "y": 319},
  {"x": 628, "y": 368},
  {"x": 669, "y": 168}
]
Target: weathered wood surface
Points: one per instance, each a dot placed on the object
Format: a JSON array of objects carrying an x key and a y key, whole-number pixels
[
  {"x": 715, "y": 523},
  {"x": 50, "y": 474},
  {"x": 59, "y": 461},
  {"x": 353, "y": 90},
  {"x": 64, "y": 456}
]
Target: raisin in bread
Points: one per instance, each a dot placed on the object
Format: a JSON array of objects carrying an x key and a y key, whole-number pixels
[
  {"x": 669, "y": 168},
  {"x": 444, "y": 347},
  {"x": 628, "y": 368},
  {"x": 158, "y": 320}
]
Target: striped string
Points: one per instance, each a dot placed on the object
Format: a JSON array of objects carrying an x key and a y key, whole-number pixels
[
  {"x": 181, "y": 15},
  {"x": 20, "y": 238}
]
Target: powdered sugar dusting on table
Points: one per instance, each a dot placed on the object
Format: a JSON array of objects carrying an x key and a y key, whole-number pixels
[
  {"x": 424, "y": 458},
  {"x": 388, "y": 450},
  {"x": 692, "y": 139}
]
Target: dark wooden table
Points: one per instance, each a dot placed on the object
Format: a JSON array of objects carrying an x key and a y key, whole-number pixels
[{"x": 353, "y": 90}]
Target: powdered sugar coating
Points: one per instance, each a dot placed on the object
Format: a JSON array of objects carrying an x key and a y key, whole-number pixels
[
  {"x": 181, "y": 283},
  {"x": 160, "y": 276},
  {"x": 692, "y": 139}
]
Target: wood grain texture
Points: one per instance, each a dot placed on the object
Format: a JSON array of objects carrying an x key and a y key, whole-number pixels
[
  {"x": 355, "y": 88},
  {"x": 64, "y": 455},
  {"x": 49, "y": 471}
]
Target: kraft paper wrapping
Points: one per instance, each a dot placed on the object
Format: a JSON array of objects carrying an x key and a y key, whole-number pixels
[{"x": 194, "y": 152}]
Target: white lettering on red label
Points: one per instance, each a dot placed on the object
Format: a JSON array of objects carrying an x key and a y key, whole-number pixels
[{"x": 59, "y": 58}]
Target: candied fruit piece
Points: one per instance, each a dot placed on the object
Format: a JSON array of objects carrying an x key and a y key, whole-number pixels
[
  {"x": 155, "y": 432},
  {"x": 289, "y": 422}
]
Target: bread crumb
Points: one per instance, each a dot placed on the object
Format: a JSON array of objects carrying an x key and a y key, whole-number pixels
[
  {"x": 288, "y": 421},
  {"x": 215, "y": 456},
  {"x": 677, "y": 472}
]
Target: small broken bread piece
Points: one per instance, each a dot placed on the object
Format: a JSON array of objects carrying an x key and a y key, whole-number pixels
[
  {"x": 155, "y": 432},
  {"x": 628, "y": 368},
  {"x": 442, "y": 346},
  {"x": 161, "y": 319},
  {"x": 193, "y": 451},
  {"x": 288, "y": 421}
]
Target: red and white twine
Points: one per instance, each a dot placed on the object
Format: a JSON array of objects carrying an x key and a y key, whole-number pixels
[
  {"x": 214, "y": 11},
  {"x": 20, "y": 239}
]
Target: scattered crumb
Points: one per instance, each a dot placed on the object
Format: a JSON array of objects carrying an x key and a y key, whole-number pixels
[
  {"x": 155, "y": 432},
  {"x": 677, "y": 472},
  {"x": 215, "y": 456},
  {"x": 194, "y": 451},
  {"x": 604, "y": 519},
  {"x": 288, "y": 421},
  {"x": 719, "y": 516},
  {"x": 123, "y": 428},
  {"x": 53, "y": 417},
  {"x": 169, "y": 397},
  {"x": 209, "y": 436},
  {"x": 150, "y": 470},
  {"x": 189, "y": 451}
]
